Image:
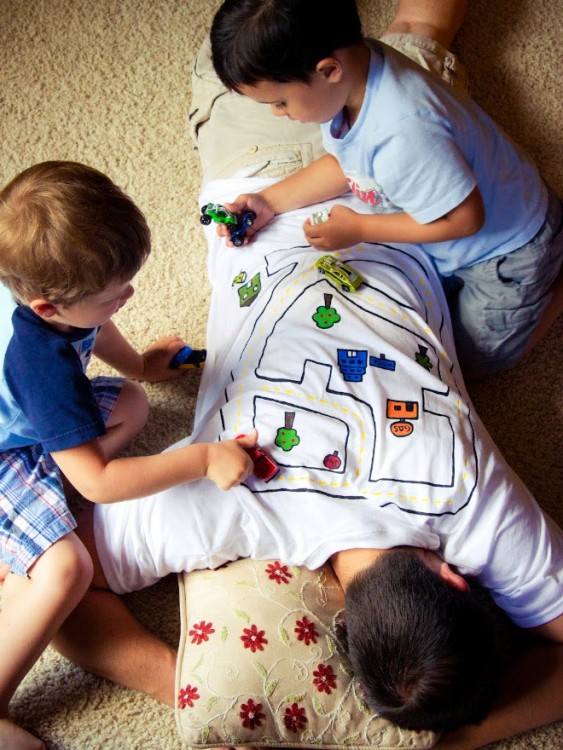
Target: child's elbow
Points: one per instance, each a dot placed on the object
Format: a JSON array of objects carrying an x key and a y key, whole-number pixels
[
  {"x": 94, "y": 495},
  {"x": 96, "y": 492}
]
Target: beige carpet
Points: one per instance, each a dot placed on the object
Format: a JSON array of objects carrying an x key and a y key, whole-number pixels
[{"x": 107, "y": 82}]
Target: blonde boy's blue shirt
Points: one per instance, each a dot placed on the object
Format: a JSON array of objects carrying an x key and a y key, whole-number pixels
[
  {"x": 45, "y": 395},
  {"x": 421, "y": 147}
]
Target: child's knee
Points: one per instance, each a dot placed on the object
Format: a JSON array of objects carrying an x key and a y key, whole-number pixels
[
  {"x": 66, "y": 566},
  {"x": 132, "y": 406},
  {"x": 139, "y": 398}
]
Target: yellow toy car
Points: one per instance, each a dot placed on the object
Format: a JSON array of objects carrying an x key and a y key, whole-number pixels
[{"x": 347, "y": 278}]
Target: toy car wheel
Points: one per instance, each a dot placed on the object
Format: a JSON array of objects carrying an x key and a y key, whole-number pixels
[
  {"x": 345, "y": 288},
  {"x": 237, "y": 241},
  {"x": 204, "y": 208},
  {"x": 205, "y": 219},
  {"x": 321, "y": 270}
]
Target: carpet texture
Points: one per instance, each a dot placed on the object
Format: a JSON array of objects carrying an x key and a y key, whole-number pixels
[{"x": 107, "y": 83}]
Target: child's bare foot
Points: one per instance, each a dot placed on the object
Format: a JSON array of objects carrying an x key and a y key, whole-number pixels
[{"x": 13, "y": 737}]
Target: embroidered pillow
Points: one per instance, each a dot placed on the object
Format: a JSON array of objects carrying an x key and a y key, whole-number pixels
[{"x": 259, "y": 663}]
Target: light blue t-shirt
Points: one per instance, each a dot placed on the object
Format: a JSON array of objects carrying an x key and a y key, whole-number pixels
[{"x": 421, "y": 147}]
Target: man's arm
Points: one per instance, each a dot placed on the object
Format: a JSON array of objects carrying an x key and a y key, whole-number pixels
[
  {"x": 438, "y": 19},
  {"x": 531, "y": 694},
  {"x": 102, "y": 635}
]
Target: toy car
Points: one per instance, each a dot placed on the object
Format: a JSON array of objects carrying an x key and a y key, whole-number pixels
[
  {"x": 237, "y": 225},
  {"x": 188, "y": 358},
  {"x": 344, "y": 275},
  {"x": 265, "y": 468},
  {"x": 319, "y": 217}
]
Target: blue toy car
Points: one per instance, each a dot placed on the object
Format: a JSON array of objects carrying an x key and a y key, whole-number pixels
[
  {"x": 188, "y": 358},
  {"x": 237, "y": 225}
]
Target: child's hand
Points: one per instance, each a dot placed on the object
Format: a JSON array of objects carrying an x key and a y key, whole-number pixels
[
  {"x": 248, "y": 202},
  {"x": 157, "y": 359},
  {"x": 343, "y": 228},
  {"x": 228, "y": 462}
]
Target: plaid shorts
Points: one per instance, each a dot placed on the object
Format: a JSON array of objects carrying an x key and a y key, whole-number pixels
[{"x": 33, "y": 510}]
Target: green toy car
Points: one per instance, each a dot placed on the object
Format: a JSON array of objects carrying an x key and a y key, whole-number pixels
[
  {"x": 237, "y": 225},
  {"x": 348, "y": 279}
]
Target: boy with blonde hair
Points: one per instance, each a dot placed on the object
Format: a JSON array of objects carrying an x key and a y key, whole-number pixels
[{"x": 70, "y": 244}]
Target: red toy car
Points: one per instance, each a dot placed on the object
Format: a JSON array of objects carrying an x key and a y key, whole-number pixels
[{"x": 265, "y": 468}]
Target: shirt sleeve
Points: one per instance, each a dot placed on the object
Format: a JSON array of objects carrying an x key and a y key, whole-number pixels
[{"x": 421, "y": 169}]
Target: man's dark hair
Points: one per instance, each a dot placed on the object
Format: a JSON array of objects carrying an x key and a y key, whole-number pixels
[
  {"x": 279, "y": 40},
  {"x": 423, "y": 652}
]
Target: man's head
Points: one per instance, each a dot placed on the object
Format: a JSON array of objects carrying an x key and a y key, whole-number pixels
[
  {"x": 67, "y": 232},
  {"x": 422, "y": 648},
  {"x": 279, "y": 40}
]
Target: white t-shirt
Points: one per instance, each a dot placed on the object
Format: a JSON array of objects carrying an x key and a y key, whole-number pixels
[{"x": 359, "y": 399}]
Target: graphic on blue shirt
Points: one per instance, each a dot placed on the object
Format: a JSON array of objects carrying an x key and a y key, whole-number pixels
[{"x": 45, "y": 395}]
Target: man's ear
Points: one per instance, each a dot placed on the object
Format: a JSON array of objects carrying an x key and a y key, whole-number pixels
[
  {"x": 43, "y": 308},
  {"x": 330, "y": 68},
  {"x": 453, "y": 578}
]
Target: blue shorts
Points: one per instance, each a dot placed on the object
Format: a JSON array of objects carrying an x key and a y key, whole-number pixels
[
  {"x": 33, "y": 509},
  {"x": 496, "y": 305}
]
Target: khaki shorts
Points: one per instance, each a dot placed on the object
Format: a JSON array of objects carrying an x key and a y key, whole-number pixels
[{"x": 237, "y": 137}]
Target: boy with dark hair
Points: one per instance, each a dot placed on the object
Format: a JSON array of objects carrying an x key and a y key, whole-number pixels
[
  {"x": 266, "y": 41},
  {"x": 432, "y": 166},
  {"x": 70, "y": 243}
]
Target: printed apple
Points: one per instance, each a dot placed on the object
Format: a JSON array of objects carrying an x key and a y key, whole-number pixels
[{"x": 332, "y": 461}]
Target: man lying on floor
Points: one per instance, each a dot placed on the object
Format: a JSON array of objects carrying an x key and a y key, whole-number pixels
[{"x": 358, "y": 397}]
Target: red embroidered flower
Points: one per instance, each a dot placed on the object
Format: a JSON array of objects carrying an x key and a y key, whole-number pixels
[
  {"x": 187, "y": 696},
  {"x": 251, "y": 714},
  {"x": 201, "y": 632},
  {"x": 325, "y": 679},
  {"x": 306, "y": 631},
  {"x": 278, "y": 572},
  {"x": 295, "y": 718},
  {"x": 253, "y": 638}
]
